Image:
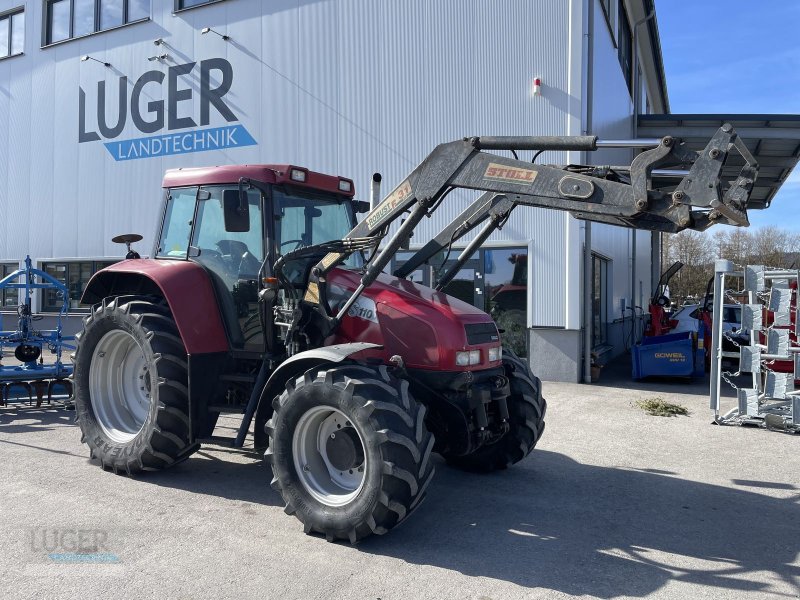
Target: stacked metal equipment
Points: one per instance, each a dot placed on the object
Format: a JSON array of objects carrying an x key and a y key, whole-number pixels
[{"x": 768, "y": 299}]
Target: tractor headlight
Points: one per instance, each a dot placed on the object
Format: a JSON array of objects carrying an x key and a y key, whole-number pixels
[
  {"x": 468, "y": 357},
  {"x": 495, "y": 354}
]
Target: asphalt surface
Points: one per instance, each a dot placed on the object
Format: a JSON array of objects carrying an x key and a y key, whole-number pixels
[{"x": 612, "y": 504}]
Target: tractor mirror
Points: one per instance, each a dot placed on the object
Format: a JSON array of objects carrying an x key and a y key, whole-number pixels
[
  {"x": 361, "y": 206},
  {"x": 237, "y": 212}
]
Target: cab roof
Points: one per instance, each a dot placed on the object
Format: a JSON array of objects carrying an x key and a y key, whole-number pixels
[{"x": 230, "y": 174}]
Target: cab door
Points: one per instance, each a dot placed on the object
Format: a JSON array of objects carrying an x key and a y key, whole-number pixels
[{"x": 233, "y": 260}]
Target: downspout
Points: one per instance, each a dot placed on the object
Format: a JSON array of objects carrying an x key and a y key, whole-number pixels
[
  {"x": 587, "y": 225},
  {"x": 637, "y": 92},
  {"x": 637, "y": 101},
  {"x": 587, "y": 302}
]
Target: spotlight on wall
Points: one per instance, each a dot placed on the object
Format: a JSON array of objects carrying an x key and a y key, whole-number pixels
[
  {"x": 159, "y": 42},
  {"x": 206, "y": 30},
  {"x": 161, "y": 57},
  {"x": 86, "y": 57}
]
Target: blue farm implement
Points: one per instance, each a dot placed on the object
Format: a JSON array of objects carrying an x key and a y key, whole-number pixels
[
  {"x": 665, "y": 354},
  {"x": 32, "y": 373},
  {"x": 671, "y": 355}
]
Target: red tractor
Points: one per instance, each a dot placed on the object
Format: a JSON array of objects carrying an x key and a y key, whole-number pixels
[
  {"x": 660, "y": 322},
  {"x": 265, "y": 297}
]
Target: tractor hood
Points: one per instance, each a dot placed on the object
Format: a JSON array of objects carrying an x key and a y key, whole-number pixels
[{"x": 425, "y": 327}]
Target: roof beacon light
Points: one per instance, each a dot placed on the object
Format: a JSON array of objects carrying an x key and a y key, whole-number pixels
[
  {"x": 536, "y": 89},
  {"x": 298, "y": 175}
]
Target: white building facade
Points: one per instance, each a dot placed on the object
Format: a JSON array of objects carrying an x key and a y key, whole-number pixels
[{"x": 99, "y": 97}]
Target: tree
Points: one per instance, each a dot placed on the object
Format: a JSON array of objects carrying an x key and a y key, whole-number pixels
[
  {"x": 696, "y": 251},
  {"x": 773, "y": 247},
  {"x": 770, "y": 246}
]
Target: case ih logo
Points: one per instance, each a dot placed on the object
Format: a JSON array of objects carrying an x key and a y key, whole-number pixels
[
  {"x": 151, "y": 116},
  {"x": 365, "y": 309},
  {"x": 400, "y": 194},
  {"x": 514, "y": 174}
]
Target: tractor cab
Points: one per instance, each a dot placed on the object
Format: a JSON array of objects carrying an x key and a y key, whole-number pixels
[{"x": 236, "y": 221}]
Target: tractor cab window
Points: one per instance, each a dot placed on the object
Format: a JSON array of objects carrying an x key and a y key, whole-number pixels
[
  {"x": 177, "y": 228},
  {"x": 236, "y": 253},
  {"x": 307, "y": 219}
]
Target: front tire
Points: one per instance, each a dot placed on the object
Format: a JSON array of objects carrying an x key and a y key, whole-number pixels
[
  {"x": 526, "y": 408},
  {"x": 130, "y": 380},
  {"x": 349, "y": 451}
]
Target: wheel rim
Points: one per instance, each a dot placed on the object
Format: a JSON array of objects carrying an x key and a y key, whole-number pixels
[
  {"x": 329, "y": 456},
  {"x": 120, "y": 386}
]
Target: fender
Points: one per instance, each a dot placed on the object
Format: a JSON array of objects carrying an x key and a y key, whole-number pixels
[
  {"x": 291, "y": 368},
  {"x": 184, "y": 285}
]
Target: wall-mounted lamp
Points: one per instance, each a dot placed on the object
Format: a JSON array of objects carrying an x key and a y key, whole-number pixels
[
  {"x": 206, "y": 30},
  {"x": 159, "y": 42},
  {"x": 536, "y": 88},
  {"x": 161, "y": 57},
  {"x": 86, "y": 57}
]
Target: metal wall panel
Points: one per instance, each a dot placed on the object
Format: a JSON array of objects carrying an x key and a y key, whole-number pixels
[
  {"x": 348, "y": 87},
  {"x": 612, "y": 108}
]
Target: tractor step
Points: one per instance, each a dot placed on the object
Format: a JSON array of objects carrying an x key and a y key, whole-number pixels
[
  {"x": 217, "y": 440},
  {"x": 238, "y": 378},
  {"x": 227, "y": 409}
]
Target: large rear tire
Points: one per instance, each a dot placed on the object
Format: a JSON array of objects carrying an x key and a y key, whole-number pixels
[
  {"x": 131, "y": 394},
  {"x": 349, "y": 451},
  {"x": 526, "y": 408}
]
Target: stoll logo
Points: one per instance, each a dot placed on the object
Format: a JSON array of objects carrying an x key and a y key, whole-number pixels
[{"x": 182, "y": 135}]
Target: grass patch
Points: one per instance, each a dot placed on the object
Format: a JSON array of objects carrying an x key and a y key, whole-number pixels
[{"x": 658, "y": 407}]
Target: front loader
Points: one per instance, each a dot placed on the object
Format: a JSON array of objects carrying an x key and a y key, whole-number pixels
[{"x": 266, "y": 298}]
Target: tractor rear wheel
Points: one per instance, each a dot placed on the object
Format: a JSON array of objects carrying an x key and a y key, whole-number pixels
[
  {"x": 131, "y": 395},
  {"x": 526, "y": 409},
  {"x": 349, "y": 451}
]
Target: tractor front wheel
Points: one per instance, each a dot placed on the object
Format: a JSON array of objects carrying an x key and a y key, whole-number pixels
[
  {"x": 349, "y": 451},
  {"x": 526, "y": 409},
  {"x": 131, "y": 395}
]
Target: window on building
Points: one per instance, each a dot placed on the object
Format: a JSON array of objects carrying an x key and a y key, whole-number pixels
[
  {"x": 75, "y": 275},
  {"x": 184, "y": 4},
  {"x": 599, "y": 301},
  {"x": 12, "y": 32},
  {"x": 67, "y": 19},
  {"x": 495, "y": 280},
  {"x": 625, "y": 45},
  {"x": 10, "y": 296}
]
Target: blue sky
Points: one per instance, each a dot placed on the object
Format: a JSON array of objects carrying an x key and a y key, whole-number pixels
[{"x": 736, "y": 56}]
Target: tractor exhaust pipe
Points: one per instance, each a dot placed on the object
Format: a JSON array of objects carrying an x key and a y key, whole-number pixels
[{"x": 375, "y": 198}]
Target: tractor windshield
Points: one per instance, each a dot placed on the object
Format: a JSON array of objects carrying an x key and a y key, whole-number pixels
[{"x": 310, "y": 219}]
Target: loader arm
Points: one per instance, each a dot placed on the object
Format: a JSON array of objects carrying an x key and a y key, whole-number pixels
[{"x": 621, "y": 196}]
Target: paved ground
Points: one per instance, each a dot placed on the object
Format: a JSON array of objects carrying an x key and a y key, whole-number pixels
[{"x": 613, "y": 504}]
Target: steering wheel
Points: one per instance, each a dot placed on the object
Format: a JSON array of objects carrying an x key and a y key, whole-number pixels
[
  {"x": 298, "y": 242},
  {"x": 662, "y": 300}
]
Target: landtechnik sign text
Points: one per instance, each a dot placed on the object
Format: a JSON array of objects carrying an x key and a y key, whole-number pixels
[{"x": 154, "y": 116}]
